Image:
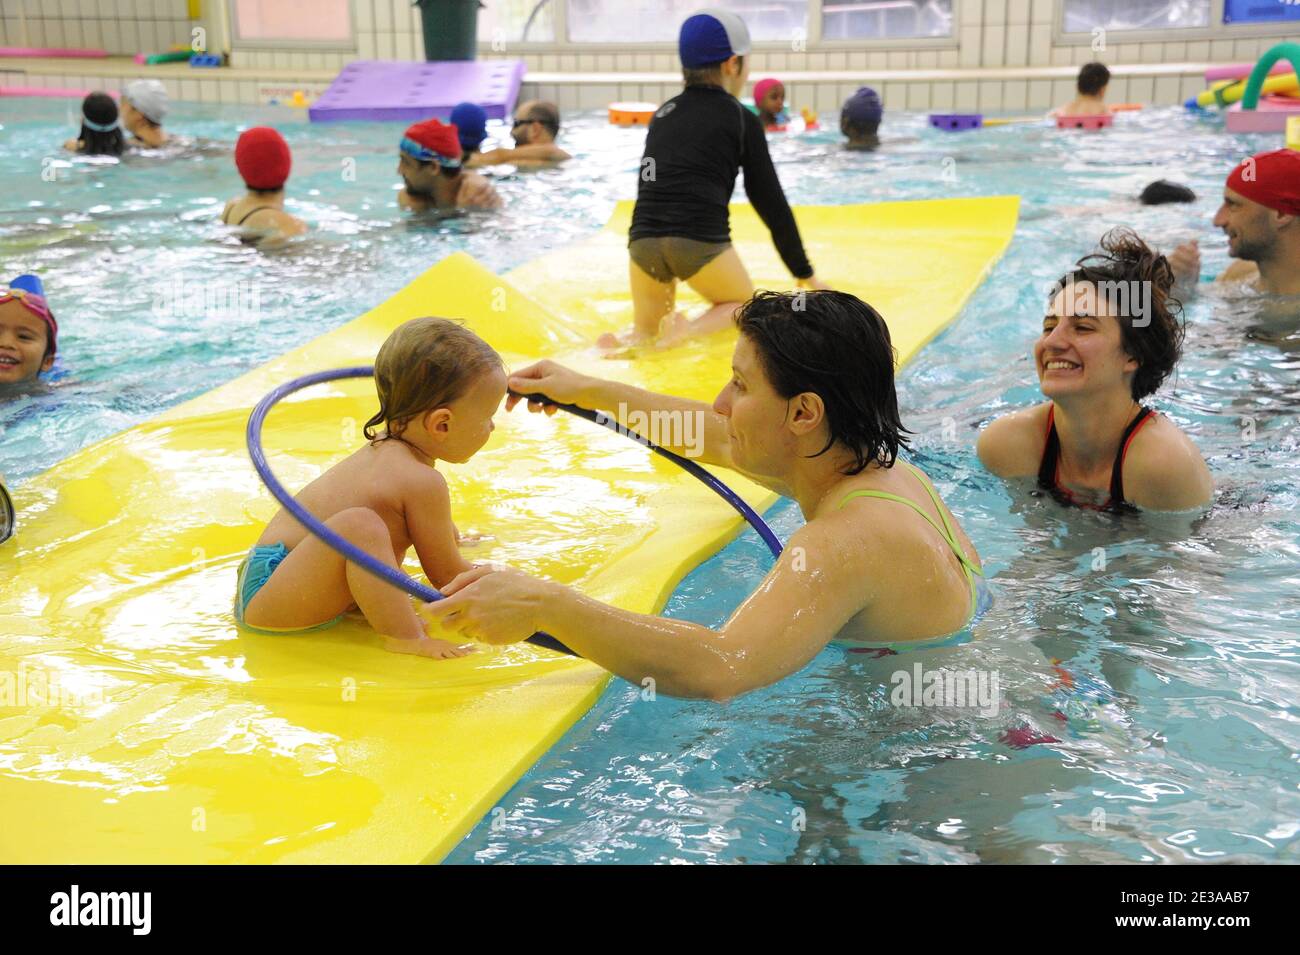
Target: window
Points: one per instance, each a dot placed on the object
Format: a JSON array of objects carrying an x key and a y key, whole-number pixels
[
  {"x": 644, "y": 21},
  {"x": 502, "y": 22},
  {"x": 1084, "y": 16},
  {"x": 1260, "y": 11},
  {"x": 885, "y": 19},
  {"x": 330, "y": 23}
]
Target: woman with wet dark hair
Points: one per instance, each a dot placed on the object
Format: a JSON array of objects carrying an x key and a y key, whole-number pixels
[
  {"x": 810, "y": 412},
  {"x": 1111, "y": 336},
  {"x": 101, "y": 130}
]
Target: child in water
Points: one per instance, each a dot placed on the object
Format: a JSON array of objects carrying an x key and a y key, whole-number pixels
[
  {"x": 28, "y": 332},
  {"x": 769, "y": 102},
  {"x": 101, "y": 131},
  {"x": 439, "y": 385},
  {"x": 1091, "y": 86},
  {"x": 263, "y": 160}
]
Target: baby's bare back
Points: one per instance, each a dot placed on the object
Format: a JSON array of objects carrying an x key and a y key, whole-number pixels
[{"x": 373, "y": 477}]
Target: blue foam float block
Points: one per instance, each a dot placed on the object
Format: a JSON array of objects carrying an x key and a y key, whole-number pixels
[
  {"x": 405, "y": 92},
  {"x": 205, "y": 59},
  {"x": 955, "y": 122}
]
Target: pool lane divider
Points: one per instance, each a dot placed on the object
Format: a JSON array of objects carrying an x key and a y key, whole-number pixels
[{"x": 394, "y": 575}]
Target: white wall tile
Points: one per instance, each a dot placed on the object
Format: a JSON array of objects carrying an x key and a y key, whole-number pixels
[
  {"x": 405, "y": 46},
  {"x": 1018, "y": 12},
  {"x": 966, "y": 99},
  {"x": 942, "y": 97},
  {"x": 383, "y": 16},
  {"x": 1141, "y": 89},
  {"x": 970, "y": 40},
  {"x": 1173, "y": 52},
  {"x": 1040, "y": 44},
  {"x": 1015, "y": 94},
  {"x": 387, "y": 46},
  {"x": 990, "y": 94},
  {"x": 1040, "y": 95},
  {"x": 918, "y": 97},
  {"x": 993, "y": 46},
  {"x": 72, "y": 34},
  {"x": 995, "y": 13},
  {"x": 1017, "y": 44},
  {"x": 970, "y": 12},
  {"x": 1166, "y": 90},
  {"x": 1221, "y": 50},
  {"x": 1198, "y": 51}
]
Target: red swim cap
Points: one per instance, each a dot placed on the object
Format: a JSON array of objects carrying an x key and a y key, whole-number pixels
[
  {"x": 1271, "y": 179},
  {"x": 437, "y": 138},
  {"x": 262, "y": 158}
]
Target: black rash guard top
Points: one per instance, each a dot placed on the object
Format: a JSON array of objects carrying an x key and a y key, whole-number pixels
[{"x": 695, "y": 145}]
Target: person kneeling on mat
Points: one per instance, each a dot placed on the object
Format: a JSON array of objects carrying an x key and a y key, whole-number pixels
[
  {"x": 1260, "y": 215},
  {"x": 696, "y": 144},
  {"x": 263, "y": 160},
  {"x": 536, "y": 125},
  {"x": 28, "y": 333},
  {"x": 439, "y": 385},
  {"x": 1111, "y": 336},
  {"x": 810, "y": 412},
  {"x": 429, "y": 162}
]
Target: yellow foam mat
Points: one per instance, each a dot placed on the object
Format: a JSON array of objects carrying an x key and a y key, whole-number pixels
[{"x": 138, "y": 725}]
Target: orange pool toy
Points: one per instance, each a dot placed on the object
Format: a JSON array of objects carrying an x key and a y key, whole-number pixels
[
  {"x": 631, "y": 114},
  {"x": 1124, "y": 107}
]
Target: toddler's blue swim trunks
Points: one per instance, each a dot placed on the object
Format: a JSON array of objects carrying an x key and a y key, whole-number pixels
[{"x": 254, "y": 572}]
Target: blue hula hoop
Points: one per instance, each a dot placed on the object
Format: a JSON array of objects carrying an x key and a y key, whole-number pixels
[{"x": 396, "y": 576}]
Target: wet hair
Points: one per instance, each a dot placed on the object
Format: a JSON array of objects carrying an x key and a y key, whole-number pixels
[
  {"x": 707, "y": 75},
  {"x": 100, "y": 109},
  {"x": 1162, "y": 191},
  {"x": 425, "y": 364},
  {"x": 836, "y": 346},
  {"x": 1093, "y": 78},
  {"x": 547, "y": 114},
  {"x": 1156, "y": 343}
]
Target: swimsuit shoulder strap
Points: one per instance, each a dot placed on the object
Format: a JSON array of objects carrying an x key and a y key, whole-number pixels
[
  {"x": 1051, "y": 452},
  {"x": 251, "y": 212},
  {"x": 945, "y": 529},
  {"x": 1117, "y": 469}
]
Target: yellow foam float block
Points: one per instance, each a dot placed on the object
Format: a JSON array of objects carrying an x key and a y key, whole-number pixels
[{"x": 138, "y": 725}]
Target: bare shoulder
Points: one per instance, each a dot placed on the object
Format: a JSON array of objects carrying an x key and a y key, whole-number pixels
[
  {"x": 1012, "y": 445},
  {"x": 1239, "y": 271},
  {"x": 1164, "y": 469}
]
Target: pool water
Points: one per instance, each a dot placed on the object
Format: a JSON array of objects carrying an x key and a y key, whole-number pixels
[{"x": 1158, "y": 654}]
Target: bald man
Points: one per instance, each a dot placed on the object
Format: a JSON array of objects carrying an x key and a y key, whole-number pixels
[
  {"x": 536, "y": 125},
  {"x": 1261, "y": 217}
]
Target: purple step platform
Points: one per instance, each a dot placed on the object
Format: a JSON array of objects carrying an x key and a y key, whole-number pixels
[
  {"x": 956, "y": 122},
  {"x": 405, "y": 92}
]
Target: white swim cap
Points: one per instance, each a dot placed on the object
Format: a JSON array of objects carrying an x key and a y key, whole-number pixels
[{"x": 148, "y": 98}]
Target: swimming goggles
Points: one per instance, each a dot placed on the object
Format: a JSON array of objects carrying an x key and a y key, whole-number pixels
[
  {"x": 7, "y": 518},
  {"x": 34, "y": 303},
  {"x": 425, "y": 154}
]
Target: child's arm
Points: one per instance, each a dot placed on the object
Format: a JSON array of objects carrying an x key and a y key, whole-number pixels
[
  {"x": 768, "y": 199},
  {"x": 427, "y": 505}
]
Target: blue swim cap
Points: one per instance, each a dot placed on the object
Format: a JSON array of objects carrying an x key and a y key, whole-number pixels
[
  {"x": 711, "y": 36},
  {"x": 470, "y": 120},
  {"x": 863, "y": 108},
  {"x": 29, "y": 283}
]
